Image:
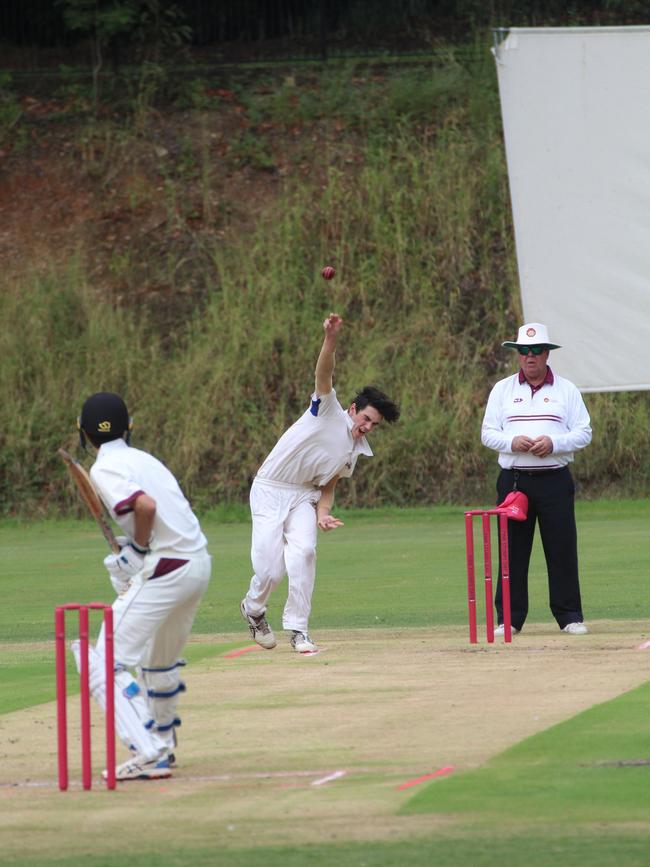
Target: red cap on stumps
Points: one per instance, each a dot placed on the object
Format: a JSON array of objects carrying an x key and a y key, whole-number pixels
[{"x": 516, "y": 506}]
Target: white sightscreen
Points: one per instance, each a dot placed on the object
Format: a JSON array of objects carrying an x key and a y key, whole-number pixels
[{"x": 576, "y": 117}]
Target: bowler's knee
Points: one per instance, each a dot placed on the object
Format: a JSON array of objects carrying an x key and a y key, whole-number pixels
[
  {"x": 268, "y": 575},
  {"x": 305, "y": 554}
]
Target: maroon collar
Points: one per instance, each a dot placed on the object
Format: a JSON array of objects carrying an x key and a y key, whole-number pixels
[{"x": 548, "y": 380}]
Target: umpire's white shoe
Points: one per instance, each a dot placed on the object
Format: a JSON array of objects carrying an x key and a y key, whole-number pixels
[
  {"x": 140, "y": 768},
  {"x": 500, "y": 630},
  {"x": 302, "y": 643},
  {"x": 260, "y": 629},
  {"x": 575, "y": 629}
]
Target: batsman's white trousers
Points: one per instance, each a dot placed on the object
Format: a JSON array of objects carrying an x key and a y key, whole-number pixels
[
  {"x": 153, "y": 620},
  {"x": 283, "y": 543},
  {"x": 152, "y": 623}
]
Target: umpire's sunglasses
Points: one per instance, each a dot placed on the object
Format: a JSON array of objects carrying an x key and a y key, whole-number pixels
[{"x": 536, "y": 350}]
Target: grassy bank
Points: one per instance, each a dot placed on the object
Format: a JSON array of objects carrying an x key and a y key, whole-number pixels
[{"x": 209, "y": 323}]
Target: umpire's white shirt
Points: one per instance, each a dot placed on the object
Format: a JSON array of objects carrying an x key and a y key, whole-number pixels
[
  {"x": 556, "y": 410},
  {"x": 121, "y": 473},
  {"x": 316, "y": 448}
]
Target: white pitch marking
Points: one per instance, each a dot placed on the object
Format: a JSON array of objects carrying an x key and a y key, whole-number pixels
[
  {"x": 328, "y": 779},
  {"x": 216, "y": 778}
]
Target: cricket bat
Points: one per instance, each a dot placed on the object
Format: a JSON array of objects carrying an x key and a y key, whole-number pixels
[{"x": 90, "y": 497}]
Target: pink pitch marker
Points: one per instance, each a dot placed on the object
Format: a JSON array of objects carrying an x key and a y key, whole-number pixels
[
  {"x": 233, "y": 654},
  {"x": 442, "y": 772}
]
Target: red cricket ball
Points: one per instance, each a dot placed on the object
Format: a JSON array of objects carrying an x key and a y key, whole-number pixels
[{"x": 328, "y": 272}]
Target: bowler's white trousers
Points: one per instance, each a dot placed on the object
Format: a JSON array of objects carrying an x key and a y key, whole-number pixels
[{"x": 283, "y": 543}]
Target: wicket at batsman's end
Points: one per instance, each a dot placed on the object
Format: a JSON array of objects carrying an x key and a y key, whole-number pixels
[{"x": 84, "y": 684}]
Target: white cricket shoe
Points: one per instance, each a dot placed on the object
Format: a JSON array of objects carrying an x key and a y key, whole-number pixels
[
  {"x": 500, "y": 630},
  {"x": 260, "y": 629},
  {"x": 302, "y": 643},
  {"x": 575, "y": 629},
  {"x": 138, "y": 767}
]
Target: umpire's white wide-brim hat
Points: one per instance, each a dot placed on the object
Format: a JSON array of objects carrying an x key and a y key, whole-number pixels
[{"x": 532, "y": 334}]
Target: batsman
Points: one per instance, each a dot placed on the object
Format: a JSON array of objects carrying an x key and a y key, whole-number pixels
[{"x": 160, "y": 575}]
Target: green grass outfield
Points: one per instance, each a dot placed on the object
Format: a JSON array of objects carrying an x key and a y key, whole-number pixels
[
  {"x": 547, "y": 849},
  {"x": 592, "y": 768},
  {"x": 574, "y": 794},
  {"x": 393, "y": 567}
]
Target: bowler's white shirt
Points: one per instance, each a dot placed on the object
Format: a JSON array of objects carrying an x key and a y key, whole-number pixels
[
  {"x": 317, "y": 447},
  {"x": 121, "y": 472},
  {"x": 556, "y": 410}
]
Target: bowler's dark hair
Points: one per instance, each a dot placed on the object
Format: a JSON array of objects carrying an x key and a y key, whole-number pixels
[{"x": 371, "y": 396}]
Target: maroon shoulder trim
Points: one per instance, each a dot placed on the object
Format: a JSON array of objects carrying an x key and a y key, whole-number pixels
[{"x": 126, "y": 506}]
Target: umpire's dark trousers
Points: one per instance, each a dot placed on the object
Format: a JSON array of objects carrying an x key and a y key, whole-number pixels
[{"x": 551, "y": 504}]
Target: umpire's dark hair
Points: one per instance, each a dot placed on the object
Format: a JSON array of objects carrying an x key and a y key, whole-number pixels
[{"x": 371, "y": 396}]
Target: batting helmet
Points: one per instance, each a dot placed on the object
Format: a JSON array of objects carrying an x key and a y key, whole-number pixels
[{"x": 104, "y": 417}]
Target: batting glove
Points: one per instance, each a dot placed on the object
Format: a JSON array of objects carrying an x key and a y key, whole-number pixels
[
  {"x": 120, "y": 586},
  {"x": 124, "y": 565}
]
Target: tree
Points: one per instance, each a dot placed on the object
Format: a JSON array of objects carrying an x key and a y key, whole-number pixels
[{"x": 148, "y": 25}]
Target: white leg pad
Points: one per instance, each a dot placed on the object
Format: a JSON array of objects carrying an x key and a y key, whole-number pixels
[
  {"x": 162, "y": 687},
  {"x": 132, "y": 720}
]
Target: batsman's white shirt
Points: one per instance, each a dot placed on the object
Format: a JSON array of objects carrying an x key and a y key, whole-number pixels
[
  {"x": 556, "y": 410},
  {"x": 121, "y": 473},
  {"x": 317, "y": 447}
]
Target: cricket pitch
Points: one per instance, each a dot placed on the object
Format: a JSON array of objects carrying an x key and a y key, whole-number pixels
[{"x": 278, "y": 748}]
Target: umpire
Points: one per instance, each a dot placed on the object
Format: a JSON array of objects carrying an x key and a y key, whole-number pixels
[{"x": 536, "y": 420}]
